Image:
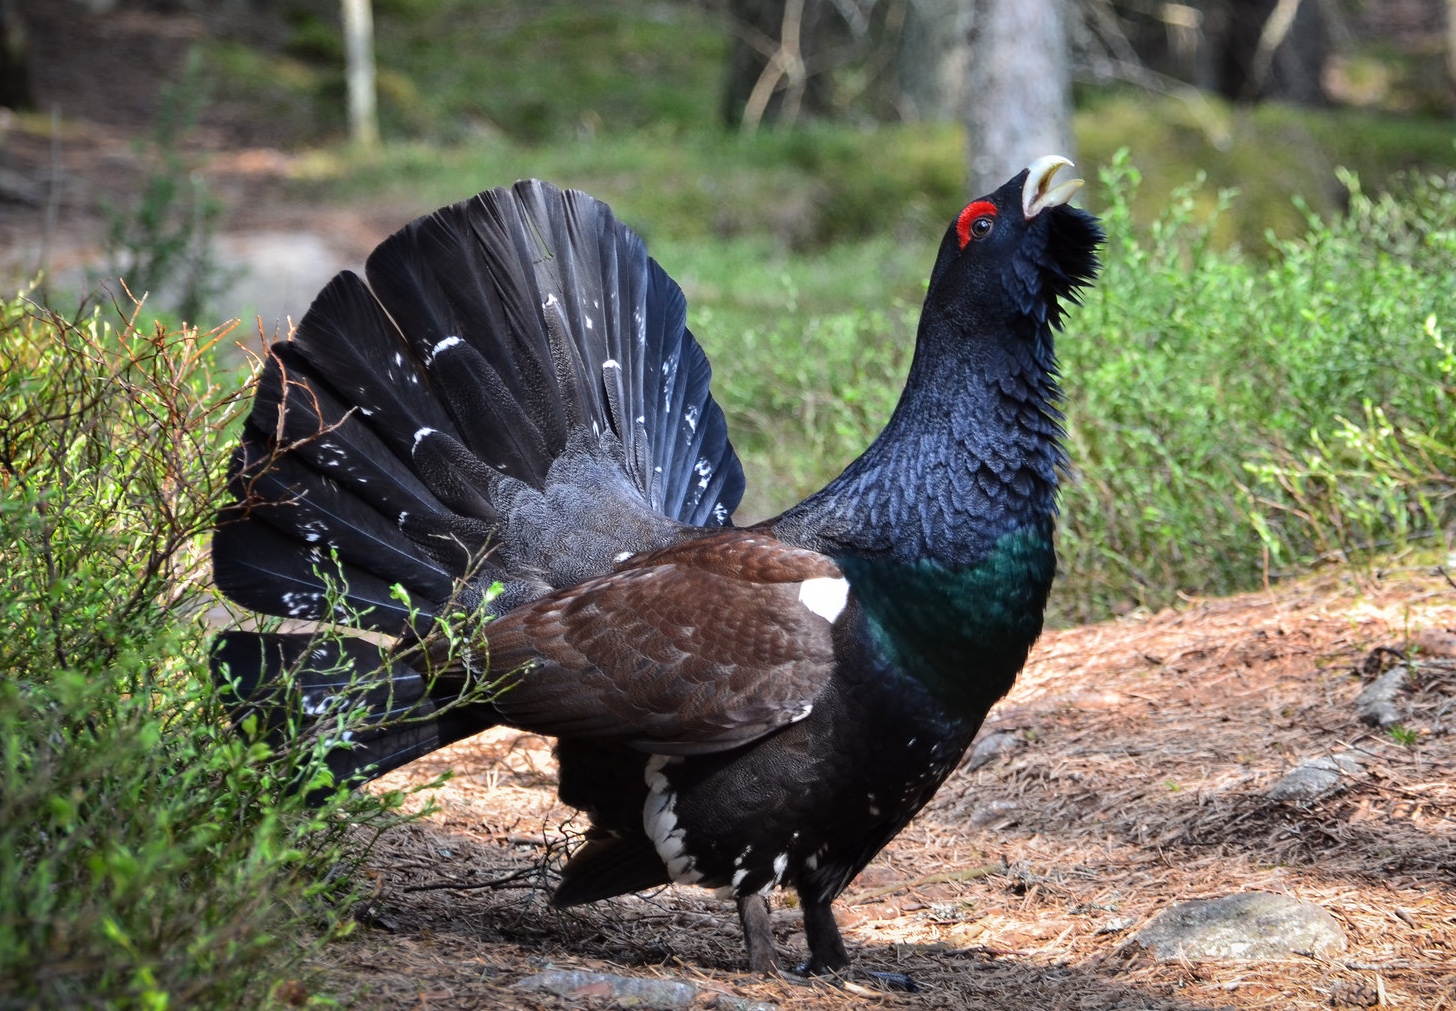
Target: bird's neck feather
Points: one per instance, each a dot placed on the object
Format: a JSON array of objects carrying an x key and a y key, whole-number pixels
[
  {"x": 944, "y": 525},
  {"x": 970, "y": 455}
]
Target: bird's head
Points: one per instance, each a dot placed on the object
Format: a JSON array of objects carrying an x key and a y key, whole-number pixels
[{"x": 1018, "y": 251}]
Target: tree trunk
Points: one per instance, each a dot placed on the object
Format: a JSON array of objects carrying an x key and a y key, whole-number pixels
[
  {"x": 15, "y": 92},
  {"x": 1019, "y": 89},
  {"x": 1451, "y": 40},
  {"x": 930, "y": 64},
  {"x": 359, "y": 71},
  {"x": 1269, "y": 49}
]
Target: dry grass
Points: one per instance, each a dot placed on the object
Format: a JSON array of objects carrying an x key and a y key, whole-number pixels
[{"x": 1146, "y": 748}]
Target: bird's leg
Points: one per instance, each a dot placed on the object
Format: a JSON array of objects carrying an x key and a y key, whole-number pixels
[
  {"x": 826, "y": 947},
  {"x": 827, "y": 954},
  {"x": 758, "y": 934}
]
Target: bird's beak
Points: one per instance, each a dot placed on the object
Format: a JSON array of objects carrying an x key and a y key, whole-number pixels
[{"x": 1038, "y": 193}]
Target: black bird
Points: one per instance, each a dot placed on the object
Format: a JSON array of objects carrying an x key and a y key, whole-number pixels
[{"x": 513, "y": 397}]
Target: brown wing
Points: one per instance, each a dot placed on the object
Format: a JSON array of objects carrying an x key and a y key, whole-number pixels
[{"x": 699, "y": 647}]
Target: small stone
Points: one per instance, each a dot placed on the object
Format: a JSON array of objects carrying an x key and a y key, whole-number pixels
[
  {"x": 632, "y": 992},
  {"x": 1250, "y": 926},
  {"x": 1116, "y": 925},
  {"x": 1376, "y": 702},
  {"x": 1315, "y": 778},
  {"x": 622, "y": 990},
  {"x": 993, "y": 812},
  {"x": 990, "y": 747}
]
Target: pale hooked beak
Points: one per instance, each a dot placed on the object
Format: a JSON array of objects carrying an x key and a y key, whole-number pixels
[{"x": 1038, "y": 194}]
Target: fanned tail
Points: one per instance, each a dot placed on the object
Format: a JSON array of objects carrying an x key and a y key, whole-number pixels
[{"x": 513, "y": 397}]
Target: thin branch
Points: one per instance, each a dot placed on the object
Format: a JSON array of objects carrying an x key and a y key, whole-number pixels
[{"x": 525, "y": 872}]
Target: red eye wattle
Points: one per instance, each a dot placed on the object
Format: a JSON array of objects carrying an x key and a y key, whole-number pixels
[{"x": 975, "y": 222}]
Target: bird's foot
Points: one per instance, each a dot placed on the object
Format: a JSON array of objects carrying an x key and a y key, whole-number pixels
[{"x": 852, "y": 979}]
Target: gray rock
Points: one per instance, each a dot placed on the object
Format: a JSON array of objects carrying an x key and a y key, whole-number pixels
[
  {"x": 992, "y": 813},
  {"x": 631, "y": 992},
  {"x": 1376, "y": 703},
  {"x": 1316, "y": 778},
  {"x": 990, "y": 747},
  {"x": 1250, "y": 926}
]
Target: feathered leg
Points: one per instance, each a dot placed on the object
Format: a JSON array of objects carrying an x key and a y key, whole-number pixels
[
  {"x": 827, "y": 955},
  {"x": 826, "y": 947},
  {"x": 758, "y": 934}
]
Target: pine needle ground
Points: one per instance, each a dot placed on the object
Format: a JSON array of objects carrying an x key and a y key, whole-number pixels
[{"x": 1144, "y": 751}]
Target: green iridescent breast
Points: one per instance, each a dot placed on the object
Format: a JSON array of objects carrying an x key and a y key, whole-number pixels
[{"x": 962, "y": 631}]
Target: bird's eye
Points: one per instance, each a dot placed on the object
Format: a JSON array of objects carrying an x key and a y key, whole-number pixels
[{"x": 975, "y": 222}]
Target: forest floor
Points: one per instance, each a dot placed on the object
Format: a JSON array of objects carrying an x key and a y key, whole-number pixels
[
  {"x": 82, "y": 162},
  {"x": 1144, "y": 749}
]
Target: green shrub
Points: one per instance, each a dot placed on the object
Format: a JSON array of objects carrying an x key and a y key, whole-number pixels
[
  {"x": 1232, "y": 418},
  {"x": 149, "y": 857}
]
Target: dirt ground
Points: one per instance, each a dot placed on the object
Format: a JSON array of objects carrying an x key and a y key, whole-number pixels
[
  {"x": 79, "y": 161},
  {"x": 1144, "y": 748},
  {"x": 1143, "y": 751}
]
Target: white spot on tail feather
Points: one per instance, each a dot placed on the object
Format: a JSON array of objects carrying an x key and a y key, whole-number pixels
[
  {"x": 444, "y": 345},
  {"x": 299, "y": 603},
  {"x": 825, "y": 596},
  {"x": 420, "y": 435}
]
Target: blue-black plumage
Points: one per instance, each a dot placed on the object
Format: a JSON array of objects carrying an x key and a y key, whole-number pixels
[{"x": 514, "y": 396}]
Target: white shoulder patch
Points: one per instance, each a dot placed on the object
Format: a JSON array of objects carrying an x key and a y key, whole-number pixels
[{"x": 825, "y": 596}]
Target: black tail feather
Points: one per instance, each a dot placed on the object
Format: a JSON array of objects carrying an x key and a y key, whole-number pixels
[
  {"x": 605, "y": 868},
  {"x": 373, "y": 712},
  {"x": 266, "y": 570},
  {"x": 584, "y": 332},
  {"x": 295, "y": 411},
  {"x": 513, "y": 396},
  {"x": 290, "y": 496},
  {"x": 355, "y": 349}
]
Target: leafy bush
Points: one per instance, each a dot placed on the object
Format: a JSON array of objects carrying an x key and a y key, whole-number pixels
[
  {"x": 1233, "y": 419},
  {"x": 820, "y": 389},
  {"x": 149, "y": 857}
]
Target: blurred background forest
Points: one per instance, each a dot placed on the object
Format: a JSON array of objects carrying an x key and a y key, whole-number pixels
[
  {"x": 192, "y": 118},
  {"x": 792, "y": 163},
  {"x": 1261, "y": 385}
]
